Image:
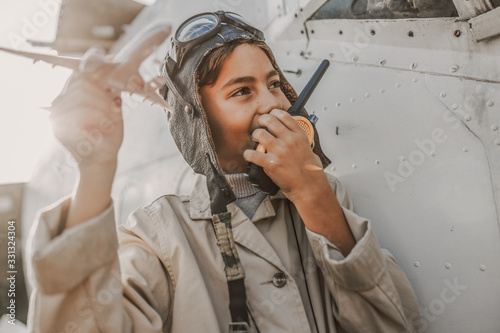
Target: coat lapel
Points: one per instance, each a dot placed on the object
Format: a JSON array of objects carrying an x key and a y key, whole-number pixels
[{"x": 245, "y": 233}]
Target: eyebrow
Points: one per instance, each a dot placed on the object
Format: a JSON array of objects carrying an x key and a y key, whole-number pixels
[{"x": 247, "y": 79}]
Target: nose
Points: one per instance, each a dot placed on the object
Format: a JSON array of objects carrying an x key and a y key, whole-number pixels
[{"x": 268, "y": 101}]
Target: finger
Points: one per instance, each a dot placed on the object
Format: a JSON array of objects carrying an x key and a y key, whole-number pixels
[
  {"x": 84, "y": 93},
  {"x": 286, "y": 119},
  {"x": 265, "y": 139},
  {"x": 265, "y": 160},
  {"x": 85, "y": 112},
  {"x": 273, "y": 124}
]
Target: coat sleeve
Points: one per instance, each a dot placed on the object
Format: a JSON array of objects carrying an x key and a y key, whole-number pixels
[
  {"x": 84, "y": 282},
  {"x": 371, "y": 293}
]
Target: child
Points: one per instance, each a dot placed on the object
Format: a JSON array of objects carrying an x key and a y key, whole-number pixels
[{"x": 226, "y": 257}]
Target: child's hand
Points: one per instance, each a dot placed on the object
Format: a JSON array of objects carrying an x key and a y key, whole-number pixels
[
  {"x": 88, "y": 121},
  {"x": 289, "y": 160},
  {"x": 292, "y": 165}
]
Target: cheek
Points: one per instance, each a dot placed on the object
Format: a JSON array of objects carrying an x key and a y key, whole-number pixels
[
  {"x": 237, "y": 129},
  {"x": 230, "y": 127}
]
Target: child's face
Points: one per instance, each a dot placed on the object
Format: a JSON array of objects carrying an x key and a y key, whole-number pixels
[{"x": 247, "y": 87}]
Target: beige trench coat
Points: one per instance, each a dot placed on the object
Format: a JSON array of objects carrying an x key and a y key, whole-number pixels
[{"x": 163, "y": 272}]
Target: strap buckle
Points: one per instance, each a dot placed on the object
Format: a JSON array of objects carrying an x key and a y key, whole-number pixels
[{"x": 239, "y": 327}]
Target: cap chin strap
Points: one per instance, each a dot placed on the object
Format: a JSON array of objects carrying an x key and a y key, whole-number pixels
[{"x": 235, "y": 274}]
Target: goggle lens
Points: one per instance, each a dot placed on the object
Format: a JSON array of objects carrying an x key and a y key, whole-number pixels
[{"x": 197, "y": 27}]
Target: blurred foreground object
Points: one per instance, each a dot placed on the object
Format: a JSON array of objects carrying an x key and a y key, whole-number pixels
[{"x": 121, "y": 73}]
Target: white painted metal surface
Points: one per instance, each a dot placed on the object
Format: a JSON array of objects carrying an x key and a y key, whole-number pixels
[{"x": 409, "y": 113}]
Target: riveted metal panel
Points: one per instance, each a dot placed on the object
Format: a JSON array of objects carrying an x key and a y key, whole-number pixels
[{"x": 411, "y": 124}]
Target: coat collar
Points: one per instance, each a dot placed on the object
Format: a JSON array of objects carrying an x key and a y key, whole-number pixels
[
  {"x": 245, "y": 233},
  {"x": 199, "y": 207}
]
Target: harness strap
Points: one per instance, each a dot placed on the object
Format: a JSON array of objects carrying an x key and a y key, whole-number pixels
[{"x": 235, "y": 273}]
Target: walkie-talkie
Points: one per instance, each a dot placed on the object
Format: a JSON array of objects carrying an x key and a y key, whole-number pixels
[{"x": 256, "y": 174}]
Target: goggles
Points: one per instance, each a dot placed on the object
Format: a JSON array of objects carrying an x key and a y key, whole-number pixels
[{"x": 202, "y": 27}]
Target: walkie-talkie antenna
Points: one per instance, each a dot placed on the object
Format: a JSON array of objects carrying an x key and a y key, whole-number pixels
[{"x": 309, "y": 88}]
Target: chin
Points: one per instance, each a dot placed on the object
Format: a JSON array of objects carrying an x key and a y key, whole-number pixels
[{"x": 235, "y": 166}]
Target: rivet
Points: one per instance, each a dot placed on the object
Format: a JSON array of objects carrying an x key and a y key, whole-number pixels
[
  {"x": 372, "y": 32},
  {"x": 398, "y": 85},
  {"x": 413, "y": 65},
  {"x": 354, "y": 166},
  {"x": 355, "y": 58},
  {"x": 340, "y": 32},
  {"x": 382, "y": 90},
  {"x": 491, "y": 103},
  {"x": 410, "y": 33},
  {"x": 433, "y": 153},
  {"x": 457, "y": 33},
  {"x": 377, "y": 162},
  {"x": 382, "y": 62},
  {"x": 338, "y": 104},
  {"x": 447, "y": 265},
  {"x": 454, "y": 68},
  {"x": 468, "y": 117},
  {"x": 403, "y": 158},
  {"x": 352, "y": 99},
  {"x": 367, "y": 95},
  {"x": 454, "y": 106},
  {"x": 443, "y": 94},
  {"x": 416, "y": 264},
  {"x": 494, "y": 128},
  {"x": 482, "y": 268},
  {"x": 465, "y": 149},
  {"x": 497, "y": 142},
  {"x": 187, "y": 108},
  {"x": 302, "y": 31},
  {"x": 331, "y": 55},
  {"x": 415, "y": 80}
]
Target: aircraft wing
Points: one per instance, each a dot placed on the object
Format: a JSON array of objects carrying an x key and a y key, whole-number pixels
[
  {"x": 54, "y": 60},
  {"x": 122, "y": 72}
]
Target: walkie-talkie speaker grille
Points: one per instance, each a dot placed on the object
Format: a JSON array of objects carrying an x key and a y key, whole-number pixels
[{"x": 306, "y": 126}]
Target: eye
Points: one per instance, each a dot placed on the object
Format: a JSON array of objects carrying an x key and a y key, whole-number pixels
[
  {"x": 241, "y": 92},
  {"x": 275, "y": 84}
]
